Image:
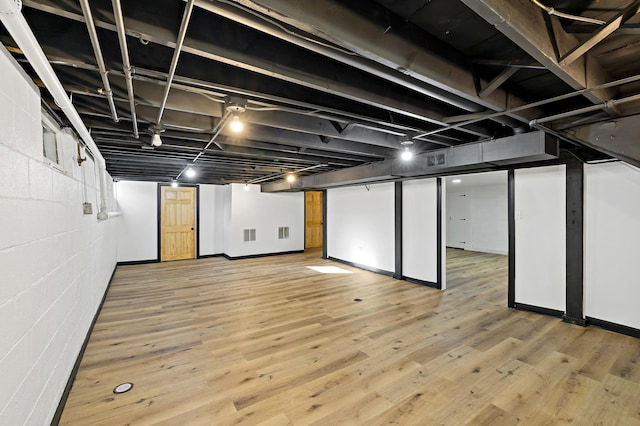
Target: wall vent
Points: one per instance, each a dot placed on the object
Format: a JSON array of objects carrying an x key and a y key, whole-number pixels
[
  {"x": 283, "y": 232},
  {"x": 249, "y": 235},
  {"x": 437, "y": 159}
]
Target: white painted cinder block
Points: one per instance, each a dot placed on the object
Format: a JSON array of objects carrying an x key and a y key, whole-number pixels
[
  {"x": 40, "y": 187},
  {"x": 55, "y": 261},
  {"x": 6, "y": 120},
  {"x": 14, "y": 170}
]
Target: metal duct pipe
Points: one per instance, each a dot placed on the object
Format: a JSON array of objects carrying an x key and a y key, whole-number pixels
[
  {"x": 17, "y": 26},
  {"x": 176, "y": 56},
  {"x": 93, "y": 35},
  {"x": 122, "y": 37},
  {"x": 340, "y": 55},
  {"x": 264, "y": 24},
  {"x": 605, "y": 105}
]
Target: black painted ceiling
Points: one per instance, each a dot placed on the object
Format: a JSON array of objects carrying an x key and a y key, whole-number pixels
[{"x": 344, "y": 92}]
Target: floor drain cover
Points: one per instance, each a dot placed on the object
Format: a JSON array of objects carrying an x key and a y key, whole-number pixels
[
  {"x": 357, "y": 300},
  {"x": 122, "y": 388}
]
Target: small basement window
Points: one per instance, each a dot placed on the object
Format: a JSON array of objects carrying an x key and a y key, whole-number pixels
[{"x": 49, "y": 145}]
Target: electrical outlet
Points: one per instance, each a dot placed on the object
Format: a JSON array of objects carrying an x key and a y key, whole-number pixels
[{"x": 87, "y": 208}]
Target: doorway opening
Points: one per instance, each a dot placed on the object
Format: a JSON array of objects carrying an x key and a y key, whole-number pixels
[
  {"x": 313, "y": 220},
  {"x": 477, "y": 232},
  {"x": 177, "y": 223}
]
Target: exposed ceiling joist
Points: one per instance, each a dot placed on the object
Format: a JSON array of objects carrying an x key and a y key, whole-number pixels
[
  {"x": 526, "y": 25},
  {"x": 332, "y": 21}
]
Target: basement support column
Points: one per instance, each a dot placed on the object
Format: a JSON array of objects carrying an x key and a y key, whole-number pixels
[
  {"x": 575, "y": 243},
  {"x": 324, "y": 225},
  {"x": 398, "y": 229},
  {"x": 439, "y": 251},
  {"x": 511, "y": 214}
]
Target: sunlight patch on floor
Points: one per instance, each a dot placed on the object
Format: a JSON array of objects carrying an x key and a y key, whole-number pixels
[{"x": 329, "y": 269}]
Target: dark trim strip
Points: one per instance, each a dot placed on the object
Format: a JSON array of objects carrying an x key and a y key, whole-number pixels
[
  {"x": 255, "y": 256},
  {"x": 618, "y": 328},
  {"x": 76, "y": 366},
  {"x": 397, "y": 188},
  {"x": 365, "y": 267},
  {"x": 574, "y": 243},
  {"x": 576, "y": 321},
  {"x": 421, "y": 282},
  {"x": 439, "y": 252},
  {"x": 324, "y": 225},
  {"x": 138, "y": 262},
  {"x": 538, "y": 310},
  {"x": 207, "y": 256},
  {"x": 511, "y": 215},
  {"x": 197, "y": 207}
]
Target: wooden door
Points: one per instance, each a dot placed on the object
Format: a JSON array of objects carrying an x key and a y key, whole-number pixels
[
  {"x": 313, "y": 219},
  {"x": 178, "y": 223}
]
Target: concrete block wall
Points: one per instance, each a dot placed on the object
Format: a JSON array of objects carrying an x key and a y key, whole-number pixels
[{"x": 55, "y": 262}]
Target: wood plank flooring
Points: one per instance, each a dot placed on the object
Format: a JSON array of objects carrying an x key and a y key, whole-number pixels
[{"x": 270, "y": 342}]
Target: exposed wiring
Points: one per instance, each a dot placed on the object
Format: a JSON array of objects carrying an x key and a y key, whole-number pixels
[
  {"x": 552, "y": 11},
  {"x": 288, "y": 31}
]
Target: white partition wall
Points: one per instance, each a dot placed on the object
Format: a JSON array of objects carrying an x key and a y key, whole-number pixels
[
  {"x": 360, "y": 225},
  {"x": 138, "y": 230},
  {"x": 540, "y": 237},
  {"x": 419, "y": 230},
  {"x": 612, "y": 233},
  {"x": 264, "y": 213}
]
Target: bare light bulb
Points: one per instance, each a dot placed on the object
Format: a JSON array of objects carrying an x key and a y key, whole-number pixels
[
  {"x": 155, "y": 140},
  {"x": 407, "y": 154},
  {"x": 236, "y": 125},
  {"x": 190, "y": 173},
  {"x": 174, "y": 184},
  {"x": 246, "y": 186},
  {"x": 291, "y": 178}
]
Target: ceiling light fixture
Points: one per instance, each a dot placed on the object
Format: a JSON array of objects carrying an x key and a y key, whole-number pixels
[
  {"x": 456, "y": 181},
  {"x": 236, "y": 125},
  {"x": 291, "y": 178},
  {"x": 407, "y": 154},
  {"x": 190, "y": 172},
  {"x": 174, "y": 184},
  {"x": 155, "y": 140},
  {"x": 236, "y": 106},
  {"x": 246, "y": 186}
]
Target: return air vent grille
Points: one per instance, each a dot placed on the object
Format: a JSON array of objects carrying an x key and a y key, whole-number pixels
[
  {"x": 249, "y": 235},
  {"x": 283, "y": 233},
  {"x": 437, "y": 159}
]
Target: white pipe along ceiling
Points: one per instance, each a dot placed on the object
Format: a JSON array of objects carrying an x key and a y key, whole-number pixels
[
  {"x": 11, "y": 17},
  {"x": 333, "y": 90}
]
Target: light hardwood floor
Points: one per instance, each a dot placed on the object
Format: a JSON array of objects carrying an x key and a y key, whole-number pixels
[{"x": 270, "y": 342}]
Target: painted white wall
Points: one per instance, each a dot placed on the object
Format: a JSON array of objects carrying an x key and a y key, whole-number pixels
[
  {"x": 487, "y": 218},
  {"x": 540, "y": 206},
  {"x": 419, "y": 230},
  {"x": 612, "y": 232},
  {"x": 264, "y": 212},
  {"x": 56, "y": 262},
  {"x": 226, "y": 218},
  {"x": 211, "y": 231},
  {"x": 360, "y": 225},
  {"x": 138, "y": 230}
]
